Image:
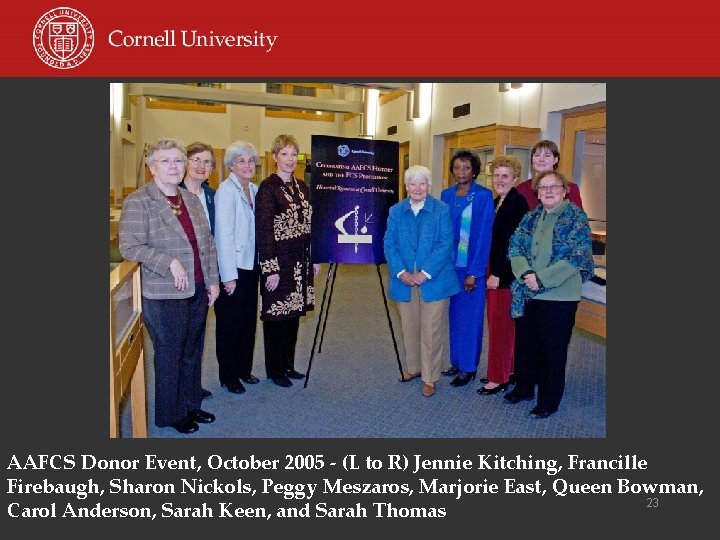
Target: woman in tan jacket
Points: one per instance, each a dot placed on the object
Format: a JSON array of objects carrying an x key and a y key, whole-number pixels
[{"x": 164, "y": 227}]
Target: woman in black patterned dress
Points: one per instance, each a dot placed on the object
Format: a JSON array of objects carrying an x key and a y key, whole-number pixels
[{"x": 283, "y": 218}]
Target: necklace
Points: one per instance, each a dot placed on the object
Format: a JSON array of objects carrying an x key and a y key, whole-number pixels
[
  {"x": 248, "y": 196},
  {"x": 175, "y": 207}
]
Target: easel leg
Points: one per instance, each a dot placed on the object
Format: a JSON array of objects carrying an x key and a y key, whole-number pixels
[
  {"x": 332, "y": 288},
  {"x": 387, "y": 312},
  {"x": 332, "y": 270}
]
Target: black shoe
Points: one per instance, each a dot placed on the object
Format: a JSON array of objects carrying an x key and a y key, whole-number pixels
[
  {"x": 490, "y": 391},
  {"x": 294, "y": 374},
  {"x": 234, "y": 387},
  {"x": 511, "y": 379},
  {"x": 250, "y": 379},
  {"x": 454, "y": 370},
  {"x": 206, "y": 393},
  {"x": 463, "y": 378},
  {"x": 538, "y": 412},
  {"x": 282, "y": 380},
  {"x": 484, "y": 380},
  {"x": 202, "y": 417},
  {"x": 186, "y": 425},
  {"x": 516, "y": 397}
]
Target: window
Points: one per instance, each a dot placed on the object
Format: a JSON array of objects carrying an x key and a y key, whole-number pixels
[
  {"x": 298, "y": 89},
  {"x": 177, "y": 104}
]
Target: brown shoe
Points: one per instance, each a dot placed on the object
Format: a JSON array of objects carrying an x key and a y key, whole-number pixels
[
  {"x": 407, "y": 376},
  {"x": 428, "y": 389}
]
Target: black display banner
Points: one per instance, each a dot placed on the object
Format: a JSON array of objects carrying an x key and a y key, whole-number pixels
[{"x": 354, "y": 182}]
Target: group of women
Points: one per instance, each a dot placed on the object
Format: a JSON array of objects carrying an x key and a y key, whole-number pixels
[
  {"x": 527, "y": 252},
  {"x": 261, "y": 241}
]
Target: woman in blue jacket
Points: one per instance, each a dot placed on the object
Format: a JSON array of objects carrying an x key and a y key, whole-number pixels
[
  {"x": 418, "y": 250},
  {"x": 472, "y": 214}
]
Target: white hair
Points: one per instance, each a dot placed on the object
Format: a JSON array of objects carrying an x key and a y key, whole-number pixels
[{"x": 417, "y": 172}]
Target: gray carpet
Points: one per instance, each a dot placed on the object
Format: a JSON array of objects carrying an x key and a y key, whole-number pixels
[{"x": 353, "y": 389}]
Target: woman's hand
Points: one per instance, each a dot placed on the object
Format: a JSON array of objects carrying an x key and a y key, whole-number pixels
[
  {"x": 229, "y": 286},
  {"x": 273, "y": 280},
  {"x": 407, "y": 279},
  {"x": 180, "y": 275},
  {"x": 531, "y": 282},
  {"x": 469, "y": 283},
  {"x": 493, "y": 282},
  {"x": 213, "y": 293},
  {"x": 316, "y": 270},
  {"x": 419, "y": 278}
]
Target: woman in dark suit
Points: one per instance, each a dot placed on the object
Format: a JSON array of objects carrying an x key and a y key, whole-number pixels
[
  {"x": 201, "y": 162},
  {"x": 283, "y": 215},
  {"x": 510, "y": 207},
  {"x": 164, "y": 227}
]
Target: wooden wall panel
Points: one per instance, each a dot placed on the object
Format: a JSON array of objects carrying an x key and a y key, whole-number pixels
[{"x": 496, "y": 136}]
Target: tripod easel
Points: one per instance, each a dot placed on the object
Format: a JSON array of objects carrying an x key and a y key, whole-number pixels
[{"x": 331, "y": 276}]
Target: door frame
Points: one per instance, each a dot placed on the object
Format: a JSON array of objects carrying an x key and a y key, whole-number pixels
[{"x": 590, "y": 118}]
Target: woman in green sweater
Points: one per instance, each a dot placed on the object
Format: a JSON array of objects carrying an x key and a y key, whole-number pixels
[{"x": 551, "y": 256}]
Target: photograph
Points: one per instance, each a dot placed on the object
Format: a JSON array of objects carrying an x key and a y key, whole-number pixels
[{"x": 481, "y": 170}]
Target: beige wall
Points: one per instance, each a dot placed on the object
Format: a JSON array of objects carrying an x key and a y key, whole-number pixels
[{"x": 535, "y": 105}]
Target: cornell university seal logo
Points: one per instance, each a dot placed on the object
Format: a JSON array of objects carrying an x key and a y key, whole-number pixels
[{"x": 63, "y": 38}]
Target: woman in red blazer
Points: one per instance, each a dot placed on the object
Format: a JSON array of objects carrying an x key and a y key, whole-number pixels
[{"x": 545, "y": 157}]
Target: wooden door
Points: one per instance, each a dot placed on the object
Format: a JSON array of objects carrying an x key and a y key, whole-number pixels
[
  {"x": 582, "y": 159},
  {"x": 572, "y": 124},
  {"x": 404, "y": 162}
]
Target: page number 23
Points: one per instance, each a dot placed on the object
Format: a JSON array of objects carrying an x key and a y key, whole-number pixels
[{"x": 652, "y": 502}]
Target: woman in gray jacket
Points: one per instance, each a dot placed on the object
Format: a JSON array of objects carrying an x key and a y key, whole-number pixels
[{"x": 164, "y": 227}]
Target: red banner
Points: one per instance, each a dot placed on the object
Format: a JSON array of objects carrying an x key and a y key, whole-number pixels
[{"x": 366, "y": 39}]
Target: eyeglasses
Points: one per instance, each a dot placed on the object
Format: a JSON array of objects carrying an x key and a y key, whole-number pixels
[
  {"x": 197, "y": 162},
  {"x": 167, "y": 162},
  {"x": 551, "y": 188},
  {"x": 243, "y": 161}
]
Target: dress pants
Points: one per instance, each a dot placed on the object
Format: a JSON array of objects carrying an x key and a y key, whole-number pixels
[
  {"x": 542, "y": 336},
  {"x": 176, "y": 328},
  {"x": 425, "y": 331},
  {"x": 501, "y": 336},
  {"x": 280, "y": 338},
  {"x": 235, "y": 326},
  {"x": 467, "y": 315}
]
